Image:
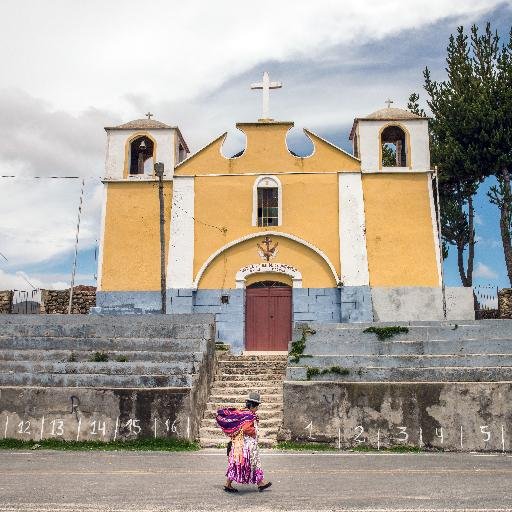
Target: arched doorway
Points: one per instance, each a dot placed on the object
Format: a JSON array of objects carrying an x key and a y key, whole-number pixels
[{"x": 268, "y": 316}]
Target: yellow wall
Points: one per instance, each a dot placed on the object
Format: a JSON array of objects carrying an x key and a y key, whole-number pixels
[
  {"x": 266, "y": 152},
  {"x": 221, "y": 273},
  {"x": 268, "y": 276},
  {"x": 399, "y": 233},
  {"x": 310, "y": 212},
  {"x": 131, "y": 245}
]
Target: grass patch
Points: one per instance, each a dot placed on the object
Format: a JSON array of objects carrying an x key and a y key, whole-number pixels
[
  {"x": 296, "y": 446},
  {"x": 99, "y": 357},
  {"x": 297, "y": 350},
  {"x": 399, "y": 448},
  {"x": 165, "y": 445},
  {"x": 384, "y": 333},
  {"x": 313, "y": 372},
  {"x": 121, "y": 359}
]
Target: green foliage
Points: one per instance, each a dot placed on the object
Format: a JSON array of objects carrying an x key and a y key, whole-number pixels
[
  {"x": 99, "y": 357},
  {"x": 121, "y": 359},
  {"x": 313, "y": 372},
  {"x": 72, "y": 358},
  {"x": 388, "y": 155},
  {"x": 384, "y": 333},
  {"x": 297, "y": 349},
  {"x": 299, "y": 446},
  {"x": 150, "y": 444}
]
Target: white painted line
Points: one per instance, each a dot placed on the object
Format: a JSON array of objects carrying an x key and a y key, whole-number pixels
[
  {"x": 117, "y": 427},
  {"x": 503, "y": 438},
  {"x": 78, "y": 429},
  {"x": 42, "y": 429},
  {"x": 6, "y": 424}
]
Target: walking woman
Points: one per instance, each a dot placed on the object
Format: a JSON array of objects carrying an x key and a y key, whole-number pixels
[{"x": 244, "y": 459}]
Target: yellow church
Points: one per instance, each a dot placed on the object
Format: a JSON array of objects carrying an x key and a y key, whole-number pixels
[{"x": 267, "y": 238}]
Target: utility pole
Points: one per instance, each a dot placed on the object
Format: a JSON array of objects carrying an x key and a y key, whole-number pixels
[
  {"x": 73, "y": 271},
  {"x": 159, "y": 171}
]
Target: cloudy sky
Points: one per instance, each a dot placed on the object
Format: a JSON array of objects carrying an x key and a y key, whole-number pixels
[{"x": 71, "y": 67}]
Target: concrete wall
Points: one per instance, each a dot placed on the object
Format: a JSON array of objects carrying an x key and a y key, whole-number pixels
[
  {"x": 451, "y": 416},
  {"x": 421, "y": 303}
]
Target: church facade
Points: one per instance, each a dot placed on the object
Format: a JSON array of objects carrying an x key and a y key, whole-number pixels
[{"x": 267, "y": 238}]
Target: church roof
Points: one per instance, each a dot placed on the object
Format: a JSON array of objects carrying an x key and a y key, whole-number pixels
[
  {"x": 386, "y": 114},
  {"x": 142, "y": 124},
  {"x": 391, "y": 114}
]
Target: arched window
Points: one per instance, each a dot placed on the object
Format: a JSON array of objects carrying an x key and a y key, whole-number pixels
[
  {"x": 267, "y": 202},
  {"x": 394, "y": 147},
  {"x": 141, "y": 156}
]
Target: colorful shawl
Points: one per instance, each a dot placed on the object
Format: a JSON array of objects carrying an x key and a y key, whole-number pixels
[{"x": 232, "y": 420}]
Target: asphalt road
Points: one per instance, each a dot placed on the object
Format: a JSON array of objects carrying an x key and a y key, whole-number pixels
[{"x": 147, "y": 481}]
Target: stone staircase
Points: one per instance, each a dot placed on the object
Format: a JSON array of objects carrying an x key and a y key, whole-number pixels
[
  {"x": 235, "y": 377},
  {"x": 473, "y": 351}
]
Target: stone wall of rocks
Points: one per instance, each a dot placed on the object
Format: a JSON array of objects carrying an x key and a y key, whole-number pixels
[
  {"x": 57, "y": 301},
  {"x": 505, "y": 303},
  {"x": 6, "y": 301}
]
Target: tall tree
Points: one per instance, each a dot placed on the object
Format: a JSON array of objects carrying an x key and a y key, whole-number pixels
[{"x": 499, "y": 82}]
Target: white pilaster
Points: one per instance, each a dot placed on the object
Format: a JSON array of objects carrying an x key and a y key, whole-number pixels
[
  {"x": 435, "y": 231},
  {"x": 181, "y": 243},
  {"x": 353, "y": 255},
  {"x": 102, "y": 238}
]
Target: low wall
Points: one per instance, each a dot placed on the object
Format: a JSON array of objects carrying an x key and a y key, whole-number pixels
[
  {"x": 5, "y": 301},
  {"x": 450, "y": 416},
  {"x": 57, "y": 301},
  {"x": 97, "y": 414}
]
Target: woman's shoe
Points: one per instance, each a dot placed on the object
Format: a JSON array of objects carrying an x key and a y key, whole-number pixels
[
  {"x": 263, "y": 487},
  {"x": 230, "y": 489}
]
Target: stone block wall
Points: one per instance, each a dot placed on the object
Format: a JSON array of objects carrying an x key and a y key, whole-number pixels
[
  {"x": 505, "y": 303},
  {"x": 57, "y": 301},
  {"x": 6, "y": 301},
  {"x": 316, "y": 305}
]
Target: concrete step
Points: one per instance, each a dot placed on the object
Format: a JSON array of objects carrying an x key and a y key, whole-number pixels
[
  {"x": 100, "y": 344},
  {"x": 95, "y": 380},
  {"x": 216, "y": 431},
  {"x": 107, "y": 368},
  {"x": 110, "y": 326},
  {"x": 85, "y": 355},
  {"x": 250, "y": 384},
  {"x": 408, "y": 347},
  {"x": 254, "y": 357},
  {"x": 409, "y": 361},
  {"x": 427, "y": 374},
  {"x": 241, "y": 392},
  {"x": 418, "y": 331},
  {"x": 228, "y": 398},
  {"x": 264, "y": 410},
  {"x": 259, "y": 373},
  {"x": 243, "y": 363}
]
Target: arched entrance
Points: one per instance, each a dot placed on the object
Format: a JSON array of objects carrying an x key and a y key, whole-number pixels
[{"x": 268, "y": 316}]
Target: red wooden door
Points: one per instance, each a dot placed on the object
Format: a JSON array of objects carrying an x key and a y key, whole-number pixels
[{"x": 268, "y": 318}]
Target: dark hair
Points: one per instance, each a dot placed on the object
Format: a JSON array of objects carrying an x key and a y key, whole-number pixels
[{"x": 250, "y": 404}]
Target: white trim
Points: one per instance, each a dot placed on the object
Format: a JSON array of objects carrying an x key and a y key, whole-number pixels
[
  {"x": 180, "y": 265},
  {"x": 353, "y": 252},
  {"x": 435, "y": 232},
  {"x": 102, "y": 238},
  {"x": 395, "y": 170},
  {"x": 201, "y": 271},
  {"x": 275, "y": 268},
  {"x": 257, "y": 184}
]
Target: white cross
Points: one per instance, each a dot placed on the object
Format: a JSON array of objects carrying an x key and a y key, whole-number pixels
[
  {"x": 388, "y": 101},
  {"x": 266, "y": 85}
]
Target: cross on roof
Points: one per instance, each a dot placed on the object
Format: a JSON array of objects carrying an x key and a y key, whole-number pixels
[
  {"x": 149, "y": 115},
  {"x": 266, "y": 85},
  {"x": 388, "y": 101}
]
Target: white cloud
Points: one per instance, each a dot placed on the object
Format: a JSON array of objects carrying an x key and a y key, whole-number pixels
[
  {"x": 484, "y": 271},
  {"x": 21, "y": 281}
]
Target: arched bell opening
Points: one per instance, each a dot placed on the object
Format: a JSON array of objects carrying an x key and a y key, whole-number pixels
[
  {"x": 141, "y": 156},
  {"x": 394, "y": 151}
]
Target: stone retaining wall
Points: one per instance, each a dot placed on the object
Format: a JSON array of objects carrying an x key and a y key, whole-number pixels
[
  {"x": 438, "y": 415},
  {"x": 57, "y": 301},
  {"x": 6, "y": 301},
  {"x": 505, "y": 303}
]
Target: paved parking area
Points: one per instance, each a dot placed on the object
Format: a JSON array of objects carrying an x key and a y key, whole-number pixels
[{"x": 148, "y": 481}]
